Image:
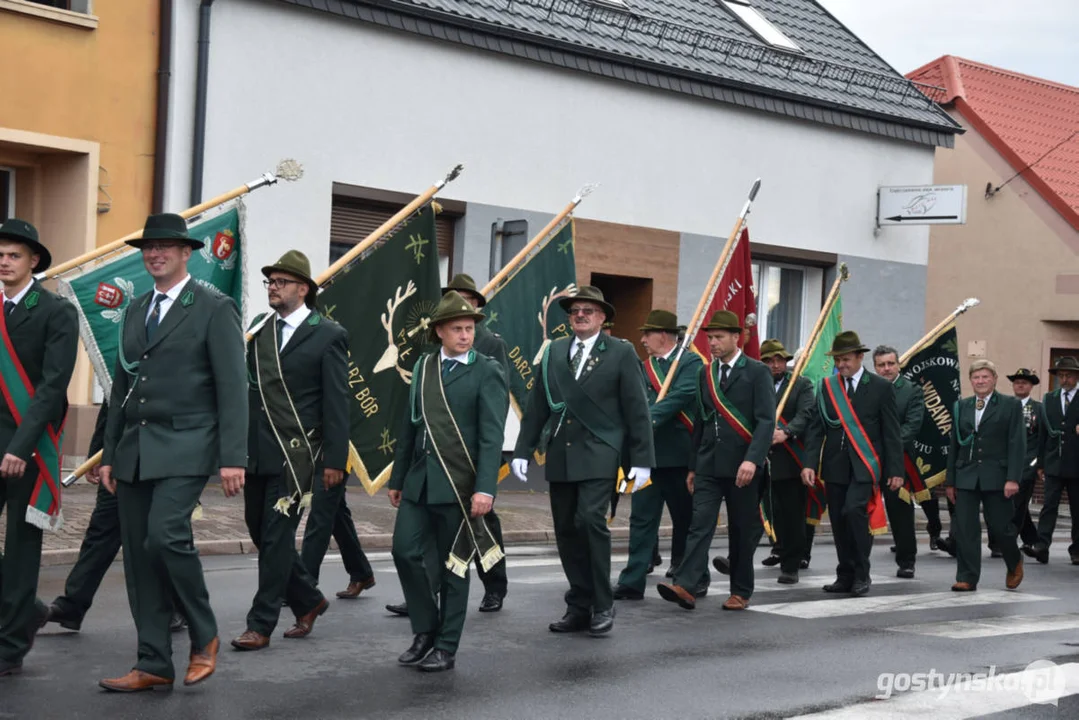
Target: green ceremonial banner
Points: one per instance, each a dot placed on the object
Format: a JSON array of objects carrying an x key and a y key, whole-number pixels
[
  {"x": 102, "y": 294},
  {"x": 526, "y": 313},
  {"x": 385, "y": 301},
  {"x": 819, "y": 365},
  {"x": 936, "y": 368}
]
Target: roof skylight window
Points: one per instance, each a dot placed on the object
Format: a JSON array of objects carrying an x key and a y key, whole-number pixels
[{"x": 760, "y": 25}]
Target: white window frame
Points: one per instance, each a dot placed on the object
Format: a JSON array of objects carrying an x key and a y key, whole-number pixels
[
  {"x": 808, "y": 280},
  {"x": 760, "y": 26}
]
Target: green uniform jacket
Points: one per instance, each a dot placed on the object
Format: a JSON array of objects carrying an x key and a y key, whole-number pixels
[
  {"x": 314, "y": 364},
  {"x": 478, "y": 397},
  {"x": 493, "y": 346},
  {"x": 910, "y": 405},
  {"x": 717, "y": 449},
  {"x": 1036, "y": 437},
  {"x": 670, "y": 436},
  {"x": 799, "y": 409},
  {"x": 44, "y": 330},
  {"x": 183, "y": 410},
  {"x": 611, "y": 378},
  {"x": 995, "y": 452},
  {"x": 828, "y": 449},
  {"x": 1060, "y": 453}
]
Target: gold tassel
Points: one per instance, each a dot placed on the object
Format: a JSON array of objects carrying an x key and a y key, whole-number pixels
[
  {"x": 922, "y": 496},
  {"x": 904, "y": 495},
  {"x": 282, "y": 505},
  {"x": 491, "y": 558},
  {"x": 196, "y": 514},
  {"x": 305, "y": 501},
  {"x": 457, "y": 566}
]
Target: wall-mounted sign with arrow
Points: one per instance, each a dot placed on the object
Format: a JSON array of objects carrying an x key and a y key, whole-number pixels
[{"x": 922, "y": 205}]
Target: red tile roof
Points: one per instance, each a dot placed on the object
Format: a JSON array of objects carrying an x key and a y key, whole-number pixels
[{"x": 1023, "y": 117}]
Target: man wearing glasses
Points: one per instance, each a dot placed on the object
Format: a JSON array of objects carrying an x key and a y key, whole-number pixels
[
  {"x": 589, "y": 404},
  {"x": 177, "y": 415}
]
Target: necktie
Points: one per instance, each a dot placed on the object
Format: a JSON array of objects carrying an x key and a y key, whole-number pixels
[
  {"x": 155, "y": 317},
  {"x": 280, "y": 333},
  {"x": 578, "y": 356},
  {"x": 724, "y": 372},
  {"x": 1067, "y": 395},
  {"x": 9, "y": 305},
  {"x": 850, "y": 387},
  {"x": 447, "y": 366}
]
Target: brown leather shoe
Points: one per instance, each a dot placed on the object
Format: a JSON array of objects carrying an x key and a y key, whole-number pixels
[
  {"x": 355, "y": 588},
  {"x": 964, "y": 587},
  {"x": 135, "y": 681},
  {"x": 203, "y": 663},
  {"x": 304, "y": 623},
  {"x": 736, "y": 602},
  {"x": 677, "y": 594},
  {"x": 251, "y": 640},
  {"x": 1016, "y": 576}
]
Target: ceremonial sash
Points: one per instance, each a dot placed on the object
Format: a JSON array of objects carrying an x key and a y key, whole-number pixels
[
  {"x": 852, "y": 428},
  {"x": 574, "y": 398},
  {"x": 913, "y": 483},
  {"x": 294, "y": 441},
  {"x": 473, "y": 535},
  {"x": 724, "y": 407},
  {"x": 656, "y": 377},
  {"x": 43, "y": 510},
  {"x": 816, "y": 503}
]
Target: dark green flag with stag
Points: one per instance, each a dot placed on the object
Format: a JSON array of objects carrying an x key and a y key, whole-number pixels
[{"x": 385, "y": 301}]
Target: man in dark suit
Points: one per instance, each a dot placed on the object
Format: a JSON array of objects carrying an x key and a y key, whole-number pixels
[
  {"x": 177, "y": 415},
  {"x": 985, "y": 463},
  {"x": 854, "y": 442},
  {"x": 672, "y": 428},
  {"x": 444, "y": 479},
  {"x": 731, "y": 438},
  {"x": 1059, "y": 458},
  {"x": 297, "y": 439},
  {"x": 588, "y": 406},
  {"x": 37, "y": 357},
  {"x": 1023, "y": 381},
  {"x": 910, "y": 406}
]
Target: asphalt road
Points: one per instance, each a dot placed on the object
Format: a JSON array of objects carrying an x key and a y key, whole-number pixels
[{"x": 796, "y": 651}]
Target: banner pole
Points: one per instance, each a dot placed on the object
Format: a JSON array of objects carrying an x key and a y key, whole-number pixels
[{"x": 938, "y": 329}]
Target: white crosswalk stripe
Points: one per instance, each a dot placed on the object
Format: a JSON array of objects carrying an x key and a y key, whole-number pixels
[
  {"x": 992, "y": 627},
  {"x": 894, "y": 603}
]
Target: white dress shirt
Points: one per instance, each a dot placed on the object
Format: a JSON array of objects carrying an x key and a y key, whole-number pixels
[
  {"x": 588, "y": 344},
  {"x": 19, "y": 295},
  {"x": 978, "y": 413},
  {"x": 292, "y": 321},
  {"x": 730, "y": 364},
  {"x": 170, "y": 297}
]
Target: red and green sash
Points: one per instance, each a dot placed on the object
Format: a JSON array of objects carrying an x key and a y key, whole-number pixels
[
  {"x": 852, "y": 427},
  {"x": 914, "y": 484},
  {"x": 724, "y": 406},
  {"x": 816, "y": 503},
  {"x": 43, "y": 510},
  {"x": 657, "y": 376}
]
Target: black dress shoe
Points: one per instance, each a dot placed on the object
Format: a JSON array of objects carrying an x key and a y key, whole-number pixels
[
  {"x": 623, "y": 592},
  {"x": 657, "y": 559},
  {"x": 178, "y": 623},
  {"x": 421, "y": 645},
  {"x": 907, "y": 573},
  {"x": 670, "y": 572},
  {"x": 68, "y": 621},
  {"x": 722, "y": 564},
  {"x": 934, "y": 542},
  {"x": 437, "y": 661},
  {"x": 770, "y": 561},
  {"x": 838, "y": 587},
  {"x": 9, "y": 667},
  {"x": 492, "y": 602},
  {"x": 996, "y": 554},
  {"x": 1028, "y": 550},
  {"x": 787, "y": 578},
  {"x": 571, "y": 622},
  {"x": 401, "y": 609},
  {"x": 947, "y": 545},
  {"x": 804, "y": 564},
  {"x": 700, "y": 591},
  {"x": 602, "y": 622},
  {"x": 1041, "y": 553},
  {"x": 859, "y": 588},
  {"x": 893, "y": 548}
]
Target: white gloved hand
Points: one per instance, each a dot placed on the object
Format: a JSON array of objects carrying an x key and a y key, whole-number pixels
[
  {"x": 639, "y": 476},
  {"x": 520, "y": 468}
]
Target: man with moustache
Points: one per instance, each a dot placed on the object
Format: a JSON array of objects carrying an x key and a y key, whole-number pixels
[
  {"x": 854, "y": 439},
  {"x": 985, "y": 463},
  {"x": 37, "y": 357},
  {"x": 731, "y": 438},
  {"x": 1059, "y": 458},
  {"x": 177, "y": 415},
  {"x": 588, "y": 407},
  {"x": 297, "y": 362},
  {"x": 1023, "y": 382}
]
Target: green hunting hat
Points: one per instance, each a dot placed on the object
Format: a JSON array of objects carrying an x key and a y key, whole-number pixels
[
  {"x": 774, "y": 347},
  {"x": 166, "y": 226},
  {"x": 23, "y": 232},
  {"x": 846, "y": 342},
  {"x": 453, "y": 306},
  {"x": 463, "y": 283},
  {"x": 664, "y": 320},
  {"x": 1068, "y": 362},
  {"x": 591, "y": 294},
  {"x": 724, "y": 320},
  {"x": 1025, "y": 374},
  {"x": 295, "y": 263}
]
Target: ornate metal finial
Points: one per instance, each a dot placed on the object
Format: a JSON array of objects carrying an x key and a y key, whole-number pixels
[
  {"x": 584, "y": 192},
  {"x": 452, "y": 175},
  {"x": 288, "y": 169},
  {"x": 844, "y": 273}
]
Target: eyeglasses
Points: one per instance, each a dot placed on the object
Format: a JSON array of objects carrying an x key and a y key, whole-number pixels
[
  {"x": 279, "y": 283},
  {"x": 586, "y": 311},
  {"x": 150, "y": 247}
]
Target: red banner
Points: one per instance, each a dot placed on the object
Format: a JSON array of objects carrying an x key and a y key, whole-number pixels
[{"x": 735, "y": 293}]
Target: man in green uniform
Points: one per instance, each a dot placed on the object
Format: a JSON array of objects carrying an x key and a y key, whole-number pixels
[
  {"x": 1023, "y": 381},
  {"x": 672, "y": 427},
  {"x": 854, "y": 442},
  {"x": 1059, "y": 458},
  {"x": 445, "y": 476},
  {"x": 177, "y": 415},
  {"x": 298, "y": 438},
  {"x": 985, "y": 464},
  {"x": 785, "y": 461},
  {"x": 40, "y": 336},
  {"x": 588, "y": 406},
  {"x": 734, "y": 430},
  {"x": 910, "y": 406}
]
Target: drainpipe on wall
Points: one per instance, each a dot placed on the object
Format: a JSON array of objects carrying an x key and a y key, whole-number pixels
[
  {"x": 198, "y": 146},
  {"x": 164, "y": 91}
]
